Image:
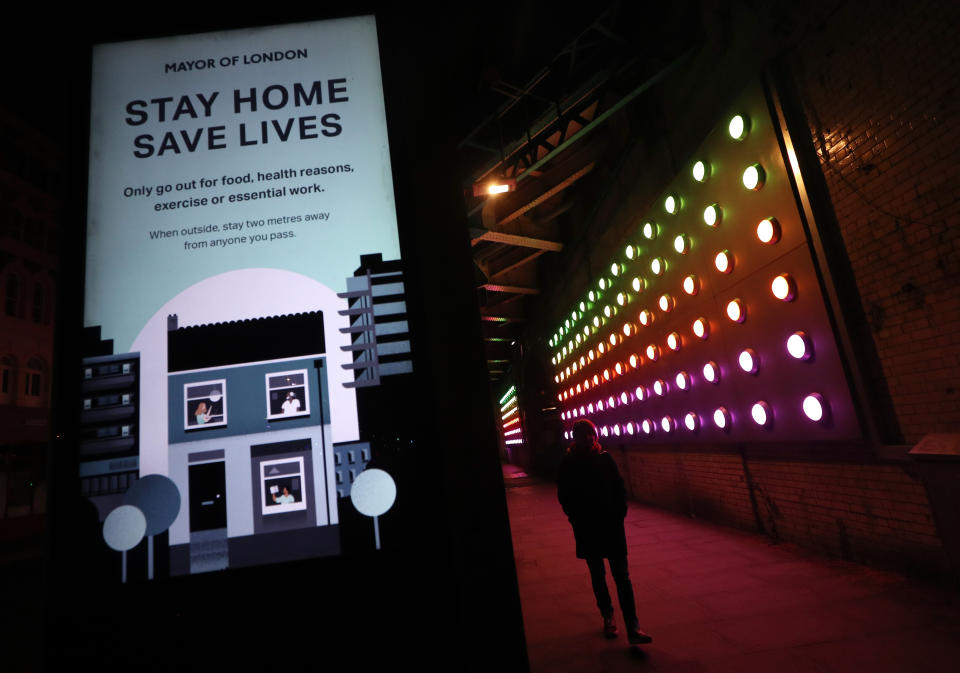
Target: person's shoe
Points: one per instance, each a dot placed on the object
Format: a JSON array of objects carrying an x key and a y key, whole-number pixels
[
  {"x": 637, "y": 637},
  {"x": 609, "y": 627}
]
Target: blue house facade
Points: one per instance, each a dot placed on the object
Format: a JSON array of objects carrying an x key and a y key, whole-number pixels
[{"x": 249, "y": 443}]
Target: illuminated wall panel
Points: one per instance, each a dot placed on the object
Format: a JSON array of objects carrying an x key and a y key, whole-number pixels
[
  {"x": 645, "y": 310},
  {"x": 511, "y": 427}
]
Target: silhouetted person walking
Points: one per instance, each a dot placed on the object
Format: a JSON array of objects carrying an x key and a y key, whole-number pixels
[{"x": 592, "y": 495}]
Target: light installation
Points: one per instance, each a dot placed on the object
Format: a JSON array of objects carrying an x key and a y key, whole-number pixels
[
  {"x": 510, "y": 425},
  {"x": 725, "y": 271}
]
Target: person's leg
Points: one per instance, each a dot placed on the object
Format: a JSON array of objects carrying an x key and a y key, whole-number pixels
[
  {"x": 599, "y": 581},
  {"x": 628, "y": 605}
]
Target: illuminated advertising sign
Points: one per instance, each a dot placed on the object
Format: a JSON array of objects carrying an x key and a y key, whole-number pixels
[{"x": 243, "y": 258}]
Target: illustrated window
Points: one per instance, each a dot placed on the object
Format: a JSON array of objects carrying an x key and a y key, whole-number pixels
[
  {"x": 287, "y": 394},
  {"x": 205, "y": 404},
  {"x": 282, "y": 486}
]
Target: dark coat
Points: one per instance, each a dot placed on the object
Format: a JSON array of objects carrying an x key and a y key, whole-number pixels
[{"x": 592, "y": 495}]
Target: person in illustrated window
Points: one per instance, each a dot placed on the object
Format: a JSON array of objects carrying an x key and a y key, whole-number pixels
[
  {"x": 291, "y": 405},
  {"x": 202, "y": 414},
  {"x": 284, "y": 499},
  {"x": 592, "y": 495}
]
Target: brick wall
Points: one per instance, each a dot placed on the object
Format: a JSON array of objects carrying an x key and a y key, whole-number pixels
[
  {"x": 880, "y": 92},
  {"x": 874, "y": 512}
]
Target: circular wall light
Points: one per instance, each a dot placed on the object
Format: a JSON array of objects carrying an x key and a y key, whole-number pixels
[
  {"x": 634, "y": 361},
  {"x": 630, "y": 428},
  {"x": 649, "y": 230},
  {"x": 590, "y": 408},
  {"x": 673, "y": 341},
  {"x": 660, "y": 387},
  {"x": 738, "y": 127},
  {"x": 566, "y": 323},
  {"x": 622, "y": 298},
  {"x": 761, "y": 414},
  {"x": 614, "y": 339},
  {"x": 748, "y": 361},
  {"x": 586, "y": 330},
  {"x": 599, "y": 405},
  {"x": 754, "y": 176},
  {"x": 735, "y": 311},
  {"x": 624, "y": 397},
  {"x": 603, "y": 283},
  {"x": 590, "y": 355},
  {"x": 601, "y": 348},
  {"x": 701, "y": 171},
  {"x": 596, "y": 321},
  {"x": 691, "y": 285},
  {"x": 723, "y": 261},
  {"x": 799, "y": 346},
  {"x": 683, "y": 381},
  {"x": 605, "y": 431},
  {"x": 681, "y": 244},
  {"x": 637, "y": 284},
  {"x": 721, "y": 418},
  {"x": 619, "y": 368},
  {"x": 666, "y": 303},
  {"x": 596, "y": 379},
  {"x": 592, "y": 296},
  {"x": 658, "y": 266},
  {"x": 653, "y": 352},
  {"x": 583, "y": 306},
  {"x": 631, "y": 251},
  {"x": 645, "y": 317},
  {"x": 768, "y": 231},
  {"x": 711, "y": 372},
  {"x": 646, "y": 426},
  {"x": 609, "y": 311},
  {"x": 578, "y": 338},
  {"x": 815, "y": 407},
  {"x": 783, "y": 287},
  {"x": 606, "y": 374},
  {"x": 629, "y": 329},
  {"x": 611, "y": 402},
  {"x": 667, "y": 424},
  {"x": 691, "y": 421},
  {"x": 671, "y": 204},
  {"x": 616, "y": 269},
  {"x": 640, "y": 393},
  {"x": 574, "y": 413},
  {"x": 701, "y": 328},
  {"x": 616, "y": 429},
  {"x": 712, "y": 215}
]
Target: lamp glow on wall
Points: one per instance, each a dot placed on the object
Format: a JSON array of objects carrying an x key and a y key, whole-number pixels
[{"x": 721, "y": 308}]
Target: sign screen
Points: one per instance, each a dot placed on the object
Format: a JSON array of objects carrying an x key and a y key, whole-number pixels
[{"x": 243, "y": 280}]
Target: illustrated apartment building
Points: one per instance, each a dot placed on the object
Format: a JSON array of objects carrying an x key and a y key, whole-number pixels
[
  {"x": 379, "y": 332},
  {"x": 109, "y": 428},
  {"x": 249, "y": 443}
]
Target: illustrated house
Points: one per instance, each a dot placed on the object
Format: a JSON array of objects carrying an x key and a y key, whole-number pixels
[{"x": 249, "y": 443}]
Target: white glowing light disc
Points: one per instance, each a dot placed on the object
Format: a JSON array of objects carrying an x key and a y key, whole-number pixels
[
  {"x": 737, "y": 127},
  {"x": 781, "y": 287},
  {"x": 813, "y": 407},
  {"x": 722, "y": 261},
  {"x": 699, "y": 171},
  {"x": 720, "y": 418},
  {"x": 797, "y": 345},
  {"x": 734, "y": 311},
  {"x": 711, "y": 215},
  {"x": 759, "y": 413}
]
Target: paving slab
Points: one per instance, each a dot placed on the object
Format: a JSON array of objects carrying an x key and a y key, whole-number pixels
[{"x": 720, "y": 600}]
